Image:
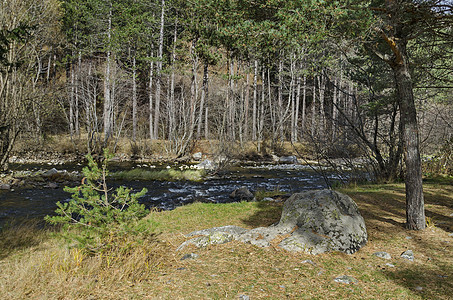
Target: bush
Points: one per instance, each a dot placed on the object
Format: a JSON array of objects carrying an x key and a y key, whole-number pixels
[{"x": 95, "y": 217}]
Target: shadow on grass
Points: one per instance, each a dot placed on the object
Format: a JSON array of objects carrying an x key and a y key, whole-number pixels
[
  {"x": 269, "y": 213},
  {"x": 17, "y": 235},
  {"x": 428, "y": 282},
  {"x": 388, "y": 205},
  {"x": 384, "y": 210}
]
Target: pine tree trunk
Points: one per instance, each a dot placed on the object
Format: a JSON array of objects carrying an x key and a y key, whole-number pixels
[{"x": 415, "y": 209}]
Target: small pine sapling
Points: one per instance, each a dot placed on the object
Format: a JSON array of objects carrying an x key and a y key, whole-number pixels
[{"x": 95, "y": 216}]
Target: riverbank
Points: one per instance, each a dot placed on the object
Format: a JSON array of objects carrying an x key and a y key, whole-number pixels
[{"x": 36, "y": 265}]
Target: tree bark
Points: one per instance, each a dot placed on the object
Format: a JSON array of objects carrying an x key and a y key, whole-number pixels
[
  {"x": 134, "y": 99},
  {"x": 108, "y": 86},
  {"x": 255, "y": 100},
  {"x": 396, "y": 35},
  {"x": 204, "y": 94},
  {"x": 158, "y": 73},
  {"x": 415, "y": 209}
]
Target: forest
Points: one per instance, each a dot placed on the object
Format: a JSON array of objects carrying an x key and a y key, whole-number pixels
[
  {"x": 368, "y": 79},
  {"x": 226, "y": 149}
]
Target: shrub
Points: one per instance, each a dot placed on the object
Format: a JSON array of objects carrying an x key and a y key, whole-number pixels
[{"x": 95, "y": 217}]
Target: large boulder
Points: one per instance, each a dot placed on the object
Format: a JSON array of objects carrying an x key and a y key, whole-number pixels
[
  {"x": 324, "y": 221},
  {"x": 313, "y": 222}
]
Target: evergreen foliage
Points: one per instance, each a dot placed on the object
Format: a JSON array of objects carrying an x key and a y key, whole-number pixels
[{"x": 98, "y": 215}]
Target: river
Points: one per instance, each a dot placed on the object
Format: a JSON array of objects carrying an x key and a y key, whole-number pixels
[{"x": 40, "y": 201}]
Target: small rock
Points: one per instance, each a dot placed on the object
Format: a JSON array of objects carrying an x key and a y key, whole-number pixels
[
  {"x": 308, "y": 261},
  {"x": 197, "y": 156},
  {"x": 190, "y": 256},
  {"x": 382, "y": 254},
  {"x": 50, "y": 172},
  {"x": 345, "y": 279},
  {"x": 408, "y": 254},
  {"x": 451, "y": 215},
  {"x": 390, "y": 265},
  {"x": 408, "y": 238},
  {"x": 269, "y": 199},
  {"x": 52, "y": 185},
  {"x": 288, "y": 160},
  {"x": 206, "y": 165},
  {"x": 180, "y": 269},
  {"x": 244, "y": 297},
  {"x": 5, "y": 186},
  {"x": 450, "y": 234},
  {"x": 215, "y": 238},
  {"x": 418, "y": 288},
  {"x": 242, "y": 193}
]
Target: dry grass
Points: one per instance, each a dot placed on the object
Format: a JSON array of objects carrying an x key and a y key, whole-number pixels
[
  {"x": 153, "y": 270},
  {"x": 62, "y": 144}
]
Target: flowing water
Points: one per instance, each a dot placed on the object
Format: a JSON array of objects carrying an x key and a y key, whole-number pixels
[{"x": 41, "y": 201}]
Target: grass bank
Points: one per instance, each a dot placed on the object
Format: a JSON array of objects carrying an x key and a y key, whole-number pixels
[
  {"x": 164, "y": 175},
  {"x": 45, "y": 268}
]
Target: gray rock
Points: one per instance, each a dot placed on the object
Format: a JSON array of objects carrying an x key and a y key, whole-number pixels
[
  {"x": 390, "y": 265},
  {"x": 382, "y": 254},
  {"x": 261, "y": 236},
  {"x": 52, "y": 185},
  {"x": 408, "y": 238},
  {"x": 242, "y": 194},
  {"x": 230, "y": 229},
  {"x": 197, "y": 156},
  {"x": 418, "y": 288},
  {"x": 244, "y": 297},
  {"x": 206, "y": 165},
  {"x": 288, "y": 160},
  {"x": 5, "y": 186},
  {"x": 190, "y": 256},
  {"x": 269, "y": 199},
  {"x": 308, "y": 261},
  {"x": 345, "y": 279},
  {"x": 450, "y": 234},
  {"x": 211, "y": 239},
  {"x": 326, "y": 221},
  {"x": 50, "y": 172},
  {"x": 408, "y": 254},
  {"x": 316, "y": 222}
]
